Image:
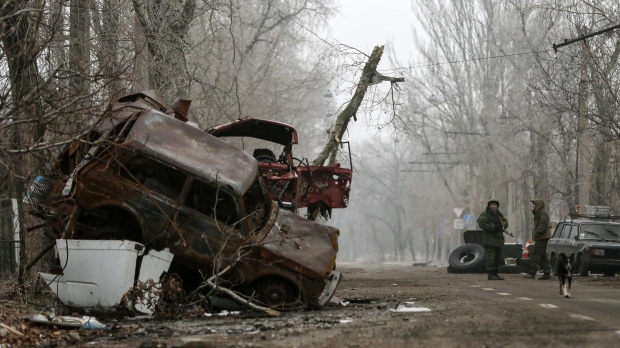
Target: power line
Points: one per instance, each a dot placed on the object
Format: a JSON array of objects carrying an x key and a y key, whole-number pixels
[
  {"x": 410, "y": 67},
  {"x": 292, "y": 18},
  {"x": 477, "y": 59}
]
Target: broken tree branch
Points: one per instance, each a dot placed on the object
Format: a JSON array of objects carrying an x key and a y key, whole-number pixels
[
  {"x": 11, "y": 330},
  {"x": 236, "y": 297},
  {"x": 369, "y": 76}
]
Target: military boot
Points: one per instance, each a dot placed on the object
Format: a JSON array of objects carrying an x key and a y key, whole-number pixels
[
  {"x": 545, "y": 276},
  {"x": 497, "y": 275},
  {"x": 493, "y": 276}
]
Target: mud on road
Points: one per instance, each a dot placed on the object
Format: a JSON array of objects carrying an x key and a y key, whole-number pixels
[{"x": 462, "y": 314}]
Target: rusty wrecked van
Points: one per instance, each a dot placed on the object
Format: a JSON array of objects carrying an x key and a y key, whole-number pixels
[{"x": 145, "y": 174}]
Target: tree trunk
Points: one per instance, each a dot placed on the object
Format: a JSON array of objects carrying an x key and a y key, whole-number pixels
[
  {"x": 19, "y": 40},
  {"x": 79, "y": 48},
  {"x": 165, "y": 25}
]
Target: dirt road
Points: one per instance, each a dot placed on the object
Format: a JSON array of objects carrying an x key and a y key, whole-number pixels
[{"x": 465, "y": 311}]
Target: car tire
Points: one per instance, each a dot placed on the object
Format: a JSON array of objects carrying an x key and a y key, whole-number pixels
[
  {"x": 524, "y": 262},
  {"x": 580, "y": 267},
  {"x": 512, "y": 269},
  {"x": 468, "y": 258}
]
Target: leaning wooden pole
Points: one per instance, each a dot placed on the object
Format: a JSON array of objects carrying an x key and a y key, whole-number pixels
[{"x": 369, "y": 76}]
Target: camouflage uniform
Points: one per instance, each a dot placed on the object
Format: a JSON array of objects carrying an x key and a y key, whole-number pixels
[
  {"x": 540, "y": 234},
  {"x": 493, "y": 223}
]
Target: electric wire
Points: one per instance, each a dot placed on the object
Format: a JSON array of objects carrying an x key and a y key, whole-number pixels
[
  {"x": 415, "y": 66},
  {"x": 478, "y": 59}
]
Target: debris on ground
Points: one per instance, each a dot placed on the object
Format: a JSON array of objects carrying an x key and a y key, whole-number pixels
[
  {"x": 408, "y": 307},
  {"x": 69, "y": 322}
]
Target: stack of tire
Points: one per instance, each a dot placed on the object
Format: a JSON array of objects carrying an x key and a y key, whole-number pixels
[
  {"x": 467, "y": 258},
  {"x": 470, "y": 258}
]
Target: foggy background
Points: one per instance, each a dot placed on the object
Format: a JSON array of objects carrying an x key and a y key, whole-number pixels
[{"x": 488, "y": 108}]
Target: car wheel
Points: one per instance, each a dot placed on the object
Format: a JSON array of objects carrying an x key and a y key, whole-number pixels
[
  {"x": 580, "y": 267},
  {"x": 554, "y": 265},
  {"x": 275, "y": 293},
  {"x": 468, "y": 258}
]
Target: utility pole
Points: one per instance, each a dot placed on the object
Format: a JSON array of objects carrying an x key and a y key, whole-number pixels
[
  {"x": 583, "y": 153},
  {"x": 583, "y": 37}
]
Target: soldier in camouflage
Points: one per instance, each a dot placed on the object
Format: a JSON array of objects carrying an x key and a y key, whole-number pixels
[
  {"x": 540, "y": 235},
  {"x": 493, "y": 223}
]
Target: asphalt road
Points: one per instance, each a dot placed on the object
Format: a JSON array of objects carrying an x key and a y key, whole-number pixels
[
  {"x": 588, "y": 302},
  {"x": 459, "y": 310}
]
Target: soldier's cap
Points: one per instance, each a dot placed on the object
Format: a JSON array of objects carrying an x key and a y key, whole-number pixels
[{"x": 493, "y": 200}]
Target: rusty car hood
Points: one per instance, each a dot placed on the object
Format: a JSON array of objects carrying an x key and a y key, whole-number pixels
[
  {"x": 279, "y": 133},
  {"x": 301, "y": 244},
  {"x": 192, "y": 150}
]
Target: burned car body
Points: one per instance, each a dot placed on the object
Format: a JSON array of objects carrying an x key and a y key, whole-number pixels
[
  {"x": 293, "y": 182},
  {"x": 145, "y": 176}
]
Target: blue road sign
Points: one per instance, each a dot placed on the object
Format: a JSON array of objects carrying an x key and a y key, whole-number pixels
[{"x": 469, "y": 221}]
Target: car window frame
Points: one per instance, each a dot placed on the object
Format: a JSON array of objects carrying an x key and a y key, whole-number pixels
[
  {"x": 575, "y": 229},
  {"x": 131, "y": 179},
  {"x": 558, "y": 230},
  {"x": 565, "y": 227}
]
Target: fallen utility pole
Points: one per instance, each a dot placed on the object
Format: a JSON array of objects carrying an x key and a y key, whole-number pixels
[
  {"x": 583, "y": 37},
  {"x": 369, "y": 76}
]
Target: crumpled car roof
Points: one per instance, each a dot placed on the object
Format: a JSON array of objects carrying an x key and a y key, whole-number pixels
[{"x": 192, "y": 150}]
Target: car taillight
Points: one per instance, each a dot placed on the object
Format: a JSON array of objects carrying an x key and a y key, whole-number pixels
[
  {"x": 597, "y": 252},
  {"x": 334, "y": 240}
]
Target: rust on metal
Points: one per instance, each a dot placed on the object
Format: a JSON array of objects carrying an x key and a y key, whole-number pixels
[
  {"x": 164, "y": 183},
  {"x": 292, "y": 182}
]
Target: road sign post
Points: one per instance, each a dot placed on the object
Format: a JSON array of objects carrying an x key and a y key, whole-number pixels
[{"x": 458, "y": 224}]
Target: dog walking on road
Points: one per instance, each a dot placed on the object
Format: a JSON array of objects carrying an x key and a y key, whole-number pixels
[{"x": 564, "y": 273}]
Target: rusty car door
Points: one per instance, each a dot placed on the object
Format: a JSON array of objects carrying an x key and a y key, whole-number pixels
[{"x": 209, "y": 221}]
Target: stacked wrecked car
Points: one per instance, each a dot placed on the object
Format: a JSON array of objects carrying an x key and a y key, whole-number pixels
[{"x": 144, "y": 174}]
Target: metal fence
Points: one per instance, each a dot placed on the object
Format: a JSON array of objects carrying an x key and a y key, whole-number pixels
[{"x": 8, "y": 256}]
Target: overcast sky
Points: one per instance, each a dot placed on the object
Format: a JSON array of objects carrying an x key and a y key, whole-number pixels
[{"x": 364, "y": 24}]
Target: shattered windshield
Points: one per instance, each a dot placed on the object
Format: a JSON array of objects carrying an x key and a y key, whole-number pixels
[{"x": 601, "y": 232}]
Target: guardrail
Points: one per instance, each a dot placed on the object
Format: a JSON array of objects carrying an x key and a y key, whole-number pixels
[{"x": 8, "y": 256}]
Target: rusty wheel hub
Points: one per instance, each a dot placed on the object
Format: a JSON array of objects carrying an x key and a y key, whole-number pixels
[{"x": 275, "y": 294}]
